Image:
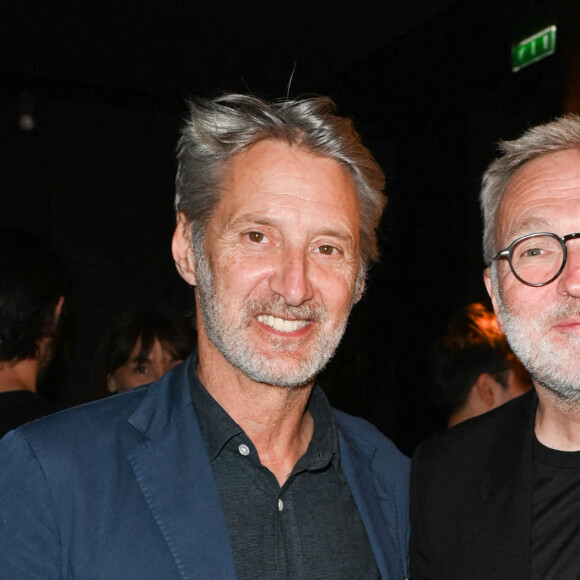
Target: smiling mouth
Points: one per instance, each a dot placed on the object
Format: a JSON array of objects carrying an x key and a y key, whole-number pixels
[{"x": 280, "y": 324}]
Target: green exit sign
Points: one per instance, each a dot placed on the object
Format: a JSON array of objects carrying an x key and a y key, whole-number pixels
[{"x": 534, "y": 48}]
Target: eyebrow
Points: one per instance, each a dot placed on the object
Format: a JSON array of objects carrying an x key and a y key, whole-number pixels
[
  {"x": 529, "y": 226},
  {"x": 251, "y": 219}
]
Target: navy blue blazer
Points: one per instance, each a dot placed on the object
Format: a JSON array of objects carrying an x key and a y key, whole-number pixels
[{"x": 123, "y": 488}]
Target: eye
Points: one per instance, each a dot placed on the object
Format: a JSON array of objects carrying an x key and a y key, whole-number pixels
[
  {"x": 141, "y": 369},
  {"x": 327, "y": 250},
  {"x": 538, "y": 247},
  {"x": 257, "y": 237},
  {"x": 533, "y": 252}
]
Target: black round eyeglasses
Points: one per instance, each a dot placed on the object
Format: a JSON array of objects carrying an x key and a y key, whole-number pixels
[{"x": 537, "y": 259}]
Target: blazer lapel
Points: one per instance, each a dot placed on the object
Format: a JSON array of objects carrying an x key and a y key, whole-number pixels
[
  {"x": 380, "y": 524},
  {"x": 174, "y": 473},
  {"x": 501, "y": 538}
]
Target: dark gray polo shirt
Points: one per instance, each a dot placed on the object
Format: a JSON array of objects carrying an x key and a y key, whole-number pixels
[{"x": 308, "y": 528}]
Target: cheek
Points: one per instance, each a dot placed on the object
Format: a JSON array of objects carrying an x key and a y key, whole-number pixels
[
  {"x": 236, "y": 274},
  {"x": 169, "y": 365},
  {"x": 125, "y": 379},
  {"x": 524, "y": 300},
  {"x": 336, "y": 290}
]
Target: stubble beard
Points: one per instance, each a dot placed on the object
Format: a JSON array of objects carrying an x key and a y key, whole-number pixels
[
  {"x": 554, "y": 366},
  {"x": 229, "y": 336}
]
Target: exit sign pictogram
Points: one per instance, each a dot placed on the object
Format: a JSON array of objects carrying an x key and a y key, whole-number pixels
[{"x": 534, "y": 48}]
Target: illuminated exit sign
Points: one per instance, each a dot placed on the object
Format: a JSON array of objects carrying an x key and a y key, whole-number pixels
[{"x": 534, "y": 48}]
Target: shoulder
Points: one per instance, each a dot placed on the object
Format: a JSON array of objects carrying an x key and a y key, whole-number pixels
[
  {"x": 75, "y": 435},
  {"x": 479, "y": 437},
  {"x": 510, "y": 417},
  {"x": 98, "y": 425}
]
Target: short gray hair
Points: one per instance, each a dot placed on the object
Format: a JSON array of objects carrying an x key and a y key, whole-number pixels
[
  {"x": 220, "y": 128},
  {"x": 562, "y": 134}
]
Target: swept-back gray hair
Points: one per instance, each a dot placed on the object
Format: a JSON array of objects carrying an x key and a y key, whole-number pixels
[
  {"x": 220, "y": 128},
  {"x": 562, "y": 134}
]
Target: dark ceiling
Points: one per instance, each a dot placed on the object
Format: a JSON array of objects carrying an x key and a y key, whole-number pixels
[
  {"x": 428, "y": 83},
  {"x": 156, "y": 53}
]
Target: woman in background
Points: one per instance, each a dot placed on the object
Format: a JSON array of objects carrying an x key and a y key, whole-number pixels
[{"x": 142, "y": 345}]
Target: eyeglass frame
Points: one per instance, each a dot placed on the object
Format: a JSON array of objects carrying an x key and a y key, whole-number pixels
[{"x": 507, "y": 254}]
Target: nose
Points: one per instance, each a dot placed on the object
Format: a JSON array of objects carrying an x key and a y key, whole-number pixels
[
  {"x": 291, "y": 279},
  {"x": 569, "y": 279}
]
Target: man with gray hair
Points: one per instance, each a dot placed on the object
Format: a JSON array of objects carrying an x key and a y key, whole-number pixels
[
  {"x": 233, "y": 465},
  {"x": 497, "y": 496}
]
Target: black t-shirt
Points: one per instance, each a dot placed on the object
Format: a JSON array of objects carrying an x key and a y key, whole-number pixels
[
  {"x": 19, "y": 407},
  {"x": 556, "y": 514}
]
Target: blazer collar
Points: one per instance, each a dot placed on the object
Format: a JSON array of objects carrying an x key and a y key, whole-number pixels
[
  {"x": 505, "y": 493},
  {"x": 172, "y": 468},
  {"x": 370, "y": 486}
]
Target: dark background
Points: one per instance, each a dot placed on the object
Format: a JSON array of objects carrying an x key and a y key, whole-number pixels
[{"x": 429, "y": 85}]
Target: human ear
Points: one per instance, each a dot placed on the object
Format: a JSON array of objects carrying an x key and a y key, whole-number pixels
[
  {"x": 111, "y": 384},
  {"x": 490, "y": 290},
  {"x": 58, "y": 307},
  {"x": 181, "y": 249},
  {"x": 487, "y": 389}
]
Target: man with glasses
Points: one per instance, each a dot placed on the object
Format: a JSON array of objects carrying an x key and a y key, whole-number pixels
[{"x": 498, "y": 496}]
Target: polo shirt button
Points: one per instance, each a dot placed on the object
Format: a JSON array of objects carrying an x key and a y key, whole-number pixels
[
  {"x": 280, "y": 505},
  {"x": 244, "y": 449}
]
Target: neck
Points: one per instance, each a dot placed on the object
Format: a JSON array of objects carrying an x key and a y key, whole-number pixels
[
  {"x": 459, "y": 416},
  {"x": 473, "y": 407},
  {"x": 18, "y": 375},
  {"x": 274, "y": 418},
  {"x": 557, "y": 422}
]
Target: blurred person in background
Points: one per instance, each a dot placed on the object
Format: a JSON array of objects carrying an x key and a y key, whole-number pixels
[
  {"x": 473, "y": 367},
  {"x": 141, "y": 346},
  {"x": 33, "y": 283}
]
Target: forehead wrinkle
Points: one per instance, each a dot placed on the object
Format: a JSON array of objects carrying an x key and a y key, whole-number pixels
[
  {"x": 536, "y": 193},
  {"x": 286, "y": 199},
  {"x": 531, "y": 225}
]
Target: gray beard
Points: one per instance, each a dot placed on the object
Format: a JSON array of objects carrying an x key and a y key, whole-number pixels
[
  {"x": 555, "y": 367},
  {"x": 229, "y": 338}
]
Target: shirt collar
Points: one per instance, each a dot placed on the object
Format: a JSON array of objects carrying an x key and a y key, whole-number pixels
[
  {"x": 217, "y": 427},
  {"x": 324, "y": 446}
]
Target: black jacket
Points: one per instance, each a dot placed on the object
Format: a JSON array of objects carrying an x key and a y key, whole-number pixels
[{"x": 471, "y": 498}]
